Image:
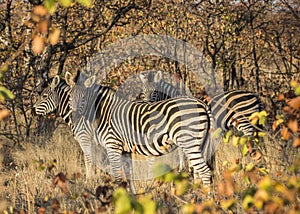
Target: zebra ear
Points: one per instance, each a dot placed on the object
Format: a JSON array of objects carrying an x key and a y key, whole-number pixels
[
  {"x": 69, "y": 79},
  {"x": 55, "y": 82},
  {"x": 90, "y": 81},
  {"x": 158, "y": 76},
  {"x": 144, "y": 77}
]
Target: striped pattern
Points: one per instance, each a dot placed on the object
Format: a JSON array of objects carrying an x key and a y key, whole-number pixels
[
  {"x": 148, "y": 129},
  {"x": 229, "y": 109},
  {"x": 56, "y": 97},
  {"x": 233, "y": 109}
]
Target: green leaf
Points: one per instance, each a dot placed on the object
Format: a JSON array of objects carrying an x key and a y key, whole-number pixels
[
  {"x": 262, "y": 117},
  {"x": 247, "y": 202},
  {"x": 249, "y": 167},
  {"x": 245, "y": 150},
  {"x": 297, "y": 90},
  {"x": 3, "y": 69},
  {"x": 263, "y": 171},
  {"x": 217, "y": 133},
  {"x": 161, "y": 169},
  {"x": 227, "y": 204},
  {"x": 227, "y": 136},
  {"x": 188, "y": 209},
  {"x": 247, "y": 180},
  {"x": 235, "y": 168},
  {"x": 122, "y": 201},
  {"x": 50, "y": 5},
  {"x": 85, "y": 3},
  {"x": 181, "y": 187},
  {"x": 5, "y": 94},
  {"x": 169, "y": 177},
  {"x": 235, "y": 141},
  {"x": 148, "y": 205},
  {"x": 65, "y": 3}
]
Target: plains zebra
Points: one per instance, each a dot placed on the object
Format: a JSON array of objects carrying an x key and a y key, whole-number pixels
[
  {"x": 122, "y": 126},
  {"x": 229, "y": 109},
  {"x": 155, "y": 88},
  {"x": 56, "y": 98}
]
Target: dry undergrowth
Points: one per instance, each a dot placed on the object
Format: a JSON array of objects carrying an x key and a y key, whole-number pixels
[
  {"x": 48, "y": 175},
  {"x": 28, "y": 181}
]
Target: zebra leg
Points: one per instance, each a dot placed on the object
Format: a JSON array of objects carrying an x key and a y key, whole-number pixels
[
  {"x": 182, "y": 159},
  {"x": 114, "y": 157},
  {"x": 201, "y": 169},
  {"x": 127, "y": 160},
  {"x": 88, "y": 167}
]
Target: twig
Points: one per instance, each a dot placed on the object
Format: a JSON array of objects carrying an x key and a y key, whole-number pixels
[{"x": 180, "y": 199}]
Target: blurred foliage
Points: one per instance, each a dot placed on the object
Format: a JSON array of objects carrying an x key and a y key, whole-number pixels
[{"x": 263, "y": 194}]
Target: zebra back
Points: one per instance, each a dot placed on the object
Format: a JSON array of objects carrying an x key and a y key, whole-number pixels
[{"x": 229, "y": 109}]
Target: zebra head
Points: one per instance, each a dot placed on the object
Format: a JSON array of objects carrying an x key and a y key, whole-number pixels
[
  {"x": 48, "y": 100},
  {"x": 149, "y": 81}
]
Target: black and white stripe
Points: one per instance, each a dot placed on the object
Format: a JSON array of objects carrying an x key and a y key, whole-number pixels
[
  {"x": 229, "y": 109},
  {"x": 148, "y": 129},
  {"x": 56, "y": 98}
]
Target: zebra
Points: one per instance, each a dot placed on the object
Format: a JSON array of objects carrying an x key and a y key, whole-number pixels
[
  {"x": 229, "y": 109},
  {"x": 56, "y": 98},
  {"x": 155, "y": 88},
  {"x": 119, "y": 125}
]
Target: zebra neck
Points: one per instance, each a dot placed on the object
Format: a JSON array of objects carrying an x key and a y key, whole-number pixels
[{"x": 64, "y": 109}]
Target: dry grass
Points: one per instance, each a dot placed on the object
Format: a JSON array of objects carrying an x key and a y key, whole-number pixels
[
  {"x": 27, "y": 182},
  {"x": 28, "y": 174}
]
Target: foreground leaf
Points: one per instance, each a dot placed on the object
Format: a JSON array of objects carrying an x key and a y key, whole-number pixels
[
  {"x": 122, "y": 201},
  {"x": 85, "y": 3},
  {"x": 227, "y": 204},
  {"x": 149, "y": 206},
  {"x": 5, "y": 94}
]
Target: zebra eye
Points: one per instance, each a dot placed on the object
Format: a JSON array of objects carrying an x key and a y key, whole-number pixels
[{"x": 45, "y": 96}]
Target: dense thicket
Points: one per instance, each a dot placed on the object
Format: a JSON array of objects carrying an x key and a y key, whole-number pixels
[{"x": 249, "y": 44}]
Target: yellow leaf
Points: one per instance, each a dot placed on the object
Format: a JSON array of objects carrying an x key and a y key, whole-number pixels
[
  {"x": 294, "y": 83},
  {"x": 227, "y": 204},
  {"x": 261, "y": 134},
  {"x": 217, "y": 133},
  {"x": 277, "y": 123},
  {"x": 243, "y": 140},
  {"x": 247, "y": 202},
  {"x": 260, "y": 197},
  {"x": 235, "y": 141},
  {"x": 254, "y": 117},
  {"x": 225, "y": 163}
]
